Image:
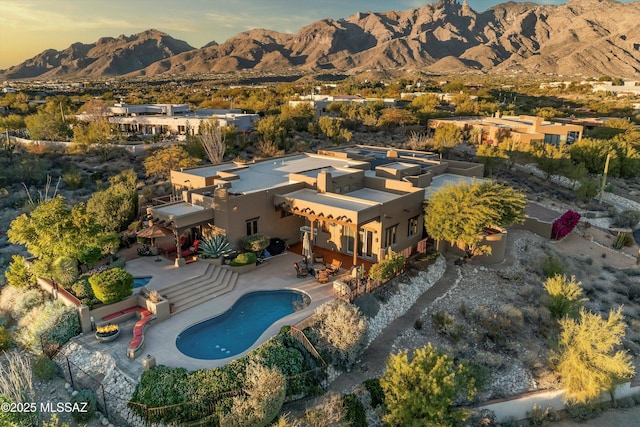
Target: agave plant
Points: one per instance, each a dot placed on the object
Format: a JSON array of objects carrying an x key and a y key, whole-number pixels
[{"x": 215, "y": 246}]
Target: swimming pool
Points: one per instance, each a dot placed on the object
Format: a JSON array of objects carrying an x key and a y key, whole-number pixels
[
  {"x": 139, "y": 282},
  {"x": 235, "y": 330}
]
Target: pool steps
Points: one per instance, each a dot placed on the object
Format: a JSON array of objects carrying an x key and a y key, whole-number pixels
[{"x": 215, "y": 281}]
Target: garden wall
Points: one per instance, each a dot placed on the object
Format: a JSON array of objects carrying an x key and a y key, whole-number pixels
[
  {"x": 517, "y": 407},
  {"x": 160, "y": 309}
]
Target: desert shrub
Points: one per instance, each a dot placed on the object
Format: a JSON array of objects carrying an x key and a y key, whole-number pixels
[
  {"x": 330, "y": 412},
  {"x": 565, "y": 224},
  {"x": 3, "y": 321},
  {"x": 215, "y": 246},
  {"x": 342, "y": 331},
  {"x": 26, "y": 301},
  {"x": 282, "y": 352},
  {"x": 623, "y": 239},
  {"x": 83, "y": 291},
  {"x": 565, "y": 295},
  {"x": 588, "y": 189},
  {"x": 16, "y": 385},
  {"x": 354, "y": 413},
  {"x": 499, "y": 327},
  {"x": 18, "y": 274},
  {"x": 446, "y": 325},
  {"x": 368, "y": 305},
  {"x": 5, "y": 338},
  {"x": 388, "y": 268},
  {"x": 625, "y": 402},
  {"x": 539, "y": 417},
  {"x": 254, "y": 242},
  {"x": 483, "y": 418},
  {"x": 244, "y": 258},
  {"x": 375, "y": 391},
  {"x": 112, "y": 285},
  {"x": 264, "y": 396},
  {"x": 552, "y": 266},
  {"x": 87, "y": 397},
  {"x": 626, "y": 219},
  {"x": 44, "y": 368},
  {"x": 52, "y": 322},
  {"x": 581, "y": 412},
  {"x": 73, "y": 179},
  {"x": 162, "y": 386}
]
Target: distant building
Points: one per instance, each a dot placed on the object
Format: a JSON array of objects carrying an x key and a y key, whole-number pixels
[
  {"x": 320, "y": 102},
  {"x": 442, "y": 97},
  {"x": 172, "y": 119},
  {"x": 527, "y": 129},
  {"x": 630, "y": 88}
]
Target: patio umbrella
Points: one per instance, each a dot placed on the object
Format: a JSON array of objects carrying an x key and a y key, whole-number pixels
[
  {"x": 306, "y": 246},
  {"x": 154, "y": 232}
]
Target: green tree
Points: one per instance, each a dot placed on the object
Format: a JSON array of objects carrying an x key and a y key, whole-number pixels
[
  {"x": 421, "y": 392},
  {"x": 445, "y": 137},
  {"x": 587, "y": 360},
  {"x": 491, "y": 157},
  {"x": 18, "y": 274},
  {"x": 272, "y": 129},
  {"x": 162, "y": 161},
  {"x": 565, "y": 295},
  {"x": 333, "y": 129},
  {"x": 459, "y": 214},
  {"x": 115, "y": 207},
  {"x": 49, "y": 123}
]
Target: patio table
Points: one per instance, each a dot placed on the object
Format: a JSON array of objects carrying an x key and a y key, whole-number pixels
[{"x": 317, "y": 267}]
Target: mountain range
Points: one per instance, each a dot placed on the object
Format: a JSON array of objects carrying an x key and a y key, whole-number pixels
[{"x": 581, "y": 37}]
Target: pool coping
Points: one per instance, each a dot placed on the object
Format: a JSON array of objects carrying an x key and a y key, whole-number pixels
[{"x": 276, "y": 274}]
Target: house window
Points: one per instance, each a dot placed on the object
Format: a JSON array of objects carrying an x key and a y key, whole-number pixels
[
  {"x": 413, "y": 226},
  {"x": 552, "y": 139},
  {"x": 390, "y": 234},
  {"x": 252, "y": 226},
  {"x": 572, "y": 137}
]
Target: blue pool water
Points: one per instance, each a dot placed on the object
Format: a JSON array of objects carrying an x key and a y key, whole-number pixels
[
  {"x": 139, "y": 282},
  {"x": 235, "y": 330}
]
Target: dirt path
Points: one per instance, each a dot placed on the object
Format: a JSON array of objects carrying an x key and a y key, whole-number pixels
[{"x": 375, "y": 356}]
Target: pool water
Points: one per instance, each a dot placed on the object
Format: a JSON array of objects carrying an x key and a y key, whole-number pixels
[
  {"x": 235, "y": 330},
  {"x": 139, "y": 282}
]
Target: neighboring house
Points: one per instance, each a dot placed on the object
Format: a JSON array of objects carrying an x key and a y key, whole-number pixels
[
  {"x": 172, "y": 119},
  {"x": 441, "y": 96},
  {"x": 527, "y": 129},
  {"x": 320, "y": 102},
  {"x": 358, "y": 200},
  {"x": 629, "y": 88}
]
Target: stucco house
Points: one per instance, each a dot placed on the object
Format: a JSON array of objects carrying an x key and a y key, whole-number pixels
[{"x": 527, "y": 129}]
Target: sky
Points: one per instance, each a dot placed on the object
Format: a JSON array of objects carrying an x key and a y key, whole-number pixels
[{"x": 28, "y": 27}]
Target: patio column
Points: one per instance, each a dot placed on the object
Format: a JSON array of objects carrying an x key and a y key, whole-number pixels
[{"x": 355, "y": 245}]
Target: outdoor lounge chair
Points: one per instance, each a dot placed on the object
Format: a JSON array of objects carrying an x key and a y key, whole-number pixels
[
  {"x": 334, "y": 267},
  {"x": 192, "y": 249},
  {"x": 322, "y": 276},
  {"x": 301, "y": 271},
  {"x": 319, "y": 259}
]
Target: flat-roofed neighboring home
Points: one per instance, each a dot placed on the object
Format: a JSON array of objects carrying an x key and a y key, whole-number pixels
[
  {"x": 358, "y": 201},
  {"x": 320, "y": 102},
  {"x": 527, "y": 129},
  {"x": 172, "y": 119}
]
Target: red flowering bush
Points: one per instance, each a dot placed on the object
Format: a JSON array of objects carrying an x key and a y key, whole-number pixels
[{"x": 565, "y": 224}]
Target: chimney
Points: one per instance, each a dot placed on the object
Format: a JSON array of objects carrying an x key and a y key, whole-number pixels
[{"x": 323, "y": 182}]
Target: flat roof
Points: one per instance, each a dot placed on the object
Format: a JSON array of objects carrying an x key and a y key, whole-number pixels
[
  {"x": 445, "y": 180},
  {"x": 373, "y": 195},
  {"x": 331, "y": 199},
  {"x": 178, "y": 209},
  {"x": 332, "y": 170},
  {"x": 399, "y": 165}
]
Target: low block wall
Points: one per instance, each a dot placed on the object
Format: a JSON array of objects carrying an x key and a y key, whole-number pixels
[
  {"x": 518, "y": 406},
  {"x": 160, "y": 309}
]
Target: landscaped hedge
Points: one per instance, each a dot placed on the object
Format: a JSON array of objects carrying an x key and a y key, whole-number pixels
[
  {"x": 245, "y": 258},
  {"x": 198, "y": 392},
  {"x": 388, "y": 268},
  {"x": 112, "y": 285}
]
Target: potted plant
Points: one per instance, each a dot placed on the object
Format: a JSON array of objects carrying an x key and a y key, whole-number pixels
[
  {"x": 107, "y": 333},
  {"x": 215, "y": 248}
]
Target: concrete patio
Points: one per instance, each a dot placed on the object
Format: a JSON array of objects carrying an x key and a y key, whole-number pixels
[{"x": 160, "y": 339}]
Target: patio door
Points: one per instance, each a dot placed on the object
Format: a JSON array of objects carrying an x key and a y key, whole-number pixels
[
  {"x": 365, "y": 243},
  {"x": 347, "y": 235}
]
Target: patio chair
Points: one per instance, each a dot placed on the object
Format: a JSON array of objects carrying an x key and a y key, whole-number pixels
[
  {"x": 334, "y": 267},
  {"x": 301, "y": 271},
  {"x": 192, "y": 249},
  {"x": 322, "y": 276},
  {"x": 319, "y": 259}
]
